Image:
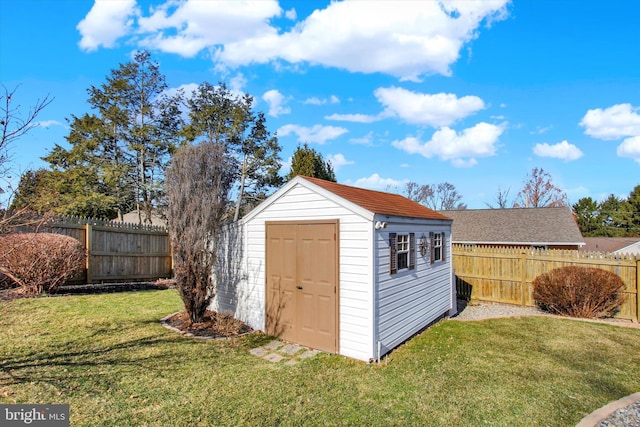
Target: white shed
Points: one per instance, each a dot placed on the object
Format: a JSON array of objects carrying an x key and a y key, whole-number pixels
[{"x": 338, "y": 268}]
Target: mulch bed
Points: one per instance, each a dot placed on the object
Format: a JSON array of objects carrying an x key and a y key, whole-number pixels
[{"x": 214, "y": 325}]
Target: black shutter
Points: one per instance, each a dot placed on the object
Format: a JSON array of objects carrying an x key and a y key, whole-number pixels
[
  {"x": 412, "y": 251},
  {"x": 431, "y": 247},
  {"x": 393, "y": 250},
  {"x": 444, "y": 245}
]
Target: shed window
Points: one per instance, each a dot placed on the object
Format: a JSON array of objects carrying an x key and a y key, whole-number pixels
[
  {"x": 437, "y": 247},
  {"x": 402, "y": 252}
]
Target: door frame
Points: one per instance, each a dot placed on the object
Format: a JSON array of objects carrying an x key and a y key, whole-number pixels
[{"x": 336, "y": 224}]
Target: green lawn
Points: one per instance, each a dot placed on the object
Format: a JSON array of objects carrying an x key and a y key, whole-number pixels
[{"x": 111, "y": 360}]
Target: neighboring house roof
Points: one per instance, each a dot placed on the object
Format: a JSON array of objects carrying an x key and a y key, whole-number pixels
[
  {"x": 379, "y": 202},
  {"x": 133, "y": 218},
  {"x": 516, "y": 226},
  {"x": 612, "y": 244}
]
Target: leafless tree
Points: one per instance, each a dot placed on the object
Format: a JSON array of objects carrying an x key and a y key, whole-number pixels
[
  {"x": 198, "y": 185},
  {"x": 539, "y": 192},
  {"x": 13, "y": 126},
  {"x": 443, "y": 196},
  {"x": 502, "y": 199}
]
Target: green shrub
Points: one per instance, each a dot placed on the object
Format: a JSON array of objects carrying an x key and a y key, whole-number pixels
[
  {"x": 579, "y": 292},
  {"x": 39, "y": 262}
]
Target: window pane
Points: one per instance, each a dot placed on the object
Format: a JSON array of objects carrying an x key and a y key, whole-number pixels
[{"x": 403, "y": 260}]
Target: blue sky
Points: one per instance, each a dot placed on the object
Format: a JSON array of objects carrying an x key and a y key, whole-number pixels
[{"x": 472, "y": 93}]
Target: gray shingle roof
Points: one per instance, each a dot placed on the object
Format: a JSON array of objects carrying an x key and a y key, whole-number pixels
[{"x": 519, "y": 226}]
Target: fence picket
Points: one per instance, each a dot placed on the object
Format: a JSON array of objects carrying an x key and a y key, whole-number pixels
[{"x": 506, "y": 275}]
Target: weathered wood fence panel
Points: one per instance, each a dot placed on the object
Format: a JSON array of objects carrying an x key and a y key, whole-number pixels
[
  {"x": 118, "y": 251},
  {"x": 506, "y": 275}
]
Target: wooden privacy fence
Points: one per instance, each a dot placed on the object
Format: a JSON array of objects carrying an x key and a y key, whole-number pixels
[
  {"x": 505, "y": 275},
  {"x": 118, "y": 251}
]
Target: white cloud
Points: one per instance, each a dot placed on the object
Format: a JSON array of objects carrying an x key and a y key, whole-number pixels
[
  {"x": 364, "y": 140},
  {"x": 615, "y": 122},
  {"x": 291, "y": 14},
  {"x": 317, "y": 133},
  {"x": 48, "y": 123},
  {"x": 357, "y": 118},
  {"x": 187, "y": 27},
  {"x": 562, "y": 150},
  {"x": 237, "y": 83},
  {"x": 376, "y": 182},
  {"x": 317, "y": 101},
  {"x": 105, "y": 23},
  {"x": 441, "y": 109},
  {"x": 630, "y": 148},
  {"x": 276, "y": 103},
  {"x": 461, "y": 148},
  {"x": 338, "y": 161},
  {"x": 406, "y": 39}
]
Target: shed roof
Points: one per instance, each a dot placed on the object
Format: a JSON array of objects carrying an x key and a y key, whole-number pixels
[
  {"x": 530, "y": 226},
  {"x": 608, "y": 244},
  {"x": 379, "y": 202}
]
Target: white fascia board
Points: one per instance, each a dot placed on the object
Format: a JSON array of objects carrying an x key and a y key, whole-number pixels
[
  {"x": 356, "y": 209},
  {"x": 411, "y": 220},
  {"x": 271, "y": 199}
]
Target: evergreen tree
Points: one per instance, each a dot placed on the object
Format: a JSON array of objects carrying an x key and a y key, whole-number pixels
[
  {"x": 121, "y": 150},
  {"x": 587, "y": 214},
  {"x": 308, "y": 162},
  {"x": 252, "y": 153}
]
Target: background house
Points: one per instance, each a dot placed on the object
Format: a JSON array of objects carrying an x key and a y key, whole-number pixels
[
  {"x": 548, "y": 228},
  {"x": 338, "y": 268},
  {"x": 615, "y": 245}
]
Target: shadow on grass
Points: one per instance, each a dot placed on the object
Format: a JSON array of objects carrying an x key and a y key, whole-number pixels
[{"x": 59, "y": 367}]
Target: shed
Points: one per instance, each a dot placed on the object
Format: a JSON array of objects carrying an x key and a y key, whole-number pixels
[
  {"x": 546, "y": 228},
  {"x": 338, "y": 268}
]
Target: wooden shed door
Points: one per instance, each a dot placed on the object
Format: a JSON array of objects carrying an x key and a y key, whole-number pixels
[{"x": 301, "y": 288}]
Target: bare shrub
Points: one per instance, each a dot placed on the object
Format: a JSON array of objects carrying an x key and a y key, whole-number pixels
[
  {"x": 579, "y": 292},
  {"x": 39, "y": 262},
  {"x": 198, "y": 184}
]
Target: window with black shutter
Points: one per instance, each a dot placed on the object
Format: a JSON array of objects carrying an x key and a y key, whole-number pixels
[{"x": 402, "y": 252}]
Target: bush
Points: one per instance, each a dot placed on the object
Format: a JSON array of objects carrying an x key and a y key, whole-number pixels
[
  {"x": 579, "y": 292},
  {"x": 39, "y": 262}
]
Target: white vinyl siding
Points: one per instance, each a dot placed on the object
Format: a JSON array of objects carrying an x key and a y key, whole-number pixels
[
  {"x": 410, "y": 299},
  {"x": 355, "y": 266}
]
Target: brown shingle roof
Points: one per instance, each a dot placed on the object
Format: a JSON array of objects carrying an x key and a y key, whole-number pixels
[
  {"x": 608, "y": 244},
  {"x": 377, "y": 201},
  {"x": 531, "y": 226}
]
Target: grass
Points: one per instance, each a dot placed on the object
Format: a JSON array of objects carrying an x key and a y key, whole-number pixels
[{"x": 109, "y": 358}]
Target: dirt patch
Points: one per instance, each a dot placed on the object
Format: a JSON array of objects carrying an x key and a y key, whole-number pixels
[{"x": 214, "y": 325}]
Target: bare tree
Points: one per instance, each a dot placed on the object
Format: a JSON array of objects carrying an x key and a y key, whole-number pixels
[
  {"x": 539, "y": 192},
  {"x": 502, "y": 199},
  {"x": 198, "y": 185},
  {"x": 443, "y": 196},
  {"x": 13, "y": 126}
]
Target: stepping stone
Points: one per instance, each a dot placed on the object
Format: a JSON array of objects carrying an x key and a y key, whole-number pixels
[
  {"x": 273, "y": 357},
  {"x": 259, "y": 351},
  {"x": 291, "y": 349},
  {"x": 291, "y": 362},
  {"x": 309, "y": 353},
  {"x": 273, "y": 345}
]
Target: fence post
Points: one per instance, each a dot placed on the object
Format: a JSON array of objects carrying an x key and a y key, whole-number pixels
[
  {"x": 88, "y": 229},
  {"x": 637, "y": 290},
  {"x": 523, "y": 278}
]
